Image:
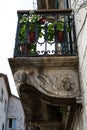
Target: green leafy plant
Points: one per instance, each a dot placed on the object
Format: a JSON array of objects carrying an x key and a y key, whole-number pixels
[
  {"x": 36, "y": 21},
  {"x": 30, "y": 23},
  {"x": 22, "y": 33},
  {"x": 54, "y": 27},
  {"x": 51, "y": 31},
  {"x": 22, "y": 30},
  {"x": 59, "y": 26},
  {"x": 64, "y": 110},
  {"x": 32, "y": 49},
  {"x": 33, "y": 19}
]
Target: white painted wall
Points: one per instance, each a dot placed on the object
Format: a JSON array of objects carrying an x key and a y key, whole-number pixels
[{"x": 81, "y": 30}]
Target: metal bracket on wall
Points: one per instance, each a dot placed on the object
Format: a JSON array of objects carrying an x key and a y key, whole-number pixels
[{"x": 79, "y": 100}]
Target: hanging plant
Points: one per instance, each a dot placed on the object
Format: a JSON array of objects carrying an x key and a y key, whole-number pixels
[{"x": 64, "y": 110}]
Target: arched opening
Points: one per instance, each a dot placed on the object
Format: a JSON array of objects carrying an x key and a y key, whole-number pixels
[{"x": 45, "y": 111}]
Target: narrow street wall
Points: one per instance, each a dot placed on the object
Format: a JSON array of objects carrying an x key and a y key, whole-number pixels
[{"x": 80, "y": 10}]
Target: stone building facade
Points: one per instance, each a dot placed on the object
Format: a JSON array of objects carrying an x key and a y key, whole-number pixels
[{"x": 11, "y": 112}]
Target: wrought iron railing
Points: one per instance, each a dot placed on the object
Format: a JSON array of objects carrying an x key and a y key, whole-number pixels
[{"x": 45, "y": 33}]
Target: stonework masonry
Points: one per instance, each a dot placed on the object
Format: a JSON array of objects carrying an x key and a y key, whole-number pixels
[{"x": 15, "y": 111}]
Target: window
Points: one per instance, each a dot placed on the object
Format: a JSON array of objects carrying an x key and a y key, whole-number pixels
[
  {"x": 62, "y": 4},
  {"x": 3, "y": 127},
  {"x": 12, "y": 123},
  {"x": 1, "y": 94}
]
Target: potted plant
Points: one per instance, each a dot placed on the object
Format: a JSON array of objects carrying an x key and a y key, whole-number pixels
[
  {"x": 35, "y": 22},
  {"x": 32, "y": 22},
  {"x": 60, "y": 30},
  {"x": 22, "y": 35},
  {"x": 57, "y": 28}
]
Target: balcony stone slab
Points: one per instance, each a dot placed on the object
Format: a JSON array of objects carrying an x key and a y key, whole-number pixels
[
  {"x": 53, "y": 76},
  {"x": 44, "y": 85}
]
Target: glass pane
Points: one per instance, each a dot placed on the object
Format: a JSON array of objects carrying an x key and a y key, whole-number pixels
[{"x": 14, "y": 123}]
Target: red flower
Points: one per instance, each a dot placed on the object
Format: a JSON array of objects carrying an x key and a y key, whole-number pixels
[{"x": 42, "y": 20}]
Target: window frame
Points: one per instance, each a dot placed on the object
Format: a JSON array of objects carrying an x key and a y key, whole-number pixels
[{"x": 12, "y": 123}]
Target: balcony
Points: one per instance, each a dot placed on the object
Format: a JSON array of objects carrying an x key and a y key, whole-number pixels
[
  {"x": 45, "y": 33},
  {"x": 45, "y": 67}
]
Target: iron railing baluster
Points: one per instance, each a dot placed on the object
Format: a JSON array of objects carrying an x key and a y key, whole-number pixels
[{"x": 67, "y": 45}]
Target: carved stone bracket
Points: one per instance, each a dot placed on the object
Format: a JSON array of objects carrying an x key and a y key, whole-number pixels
[
  {"x": 52, "y": 82},
  {"x": 20, "y": 77}
]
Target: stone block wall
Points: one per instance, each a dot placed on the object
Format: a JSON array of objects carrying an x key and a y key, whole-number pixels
[{"x": 15, "y": 110}]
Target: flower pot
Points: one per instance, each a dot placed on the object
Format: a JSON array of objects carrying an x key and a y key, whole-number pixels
[
  {"x": 31, "y": 37},
  {"x": 60, "y": 36}
]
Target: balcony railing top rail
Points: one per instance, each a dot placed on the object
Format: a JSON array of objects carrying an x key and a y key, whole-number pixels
[
  {"x": 45, "y": 11},
  {"x": 45, "y": 33}
]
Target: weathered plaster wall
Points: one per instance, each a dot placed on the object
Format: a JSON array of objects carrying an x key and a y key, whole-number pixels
[
  {"x": 3, "y": 99},
  {"x": 81, "y": 30}
]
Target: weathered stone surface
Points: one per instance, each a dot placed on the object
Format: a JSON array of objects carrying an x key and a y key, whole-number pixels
[
  {"x": 55, "y": 61},
  {"x": 53, "y": 82},
  {"x": 44, "y": 84}
]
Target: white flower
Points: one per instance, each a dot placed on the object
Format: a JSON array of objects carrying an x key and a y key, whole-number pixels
[{"x": 31, "y": 12}]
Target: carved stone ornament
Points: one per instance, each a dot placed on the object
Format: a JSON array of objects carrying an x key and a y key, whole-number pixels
[
  {"x": 53, "y": 82},
  {"x": 68, "y": 83},
  {"x": 20, "y": 78}
]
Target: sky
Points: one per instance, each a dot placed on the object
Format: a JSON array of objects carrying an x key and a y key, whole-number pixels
[{"x": 8, "y": 25}]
